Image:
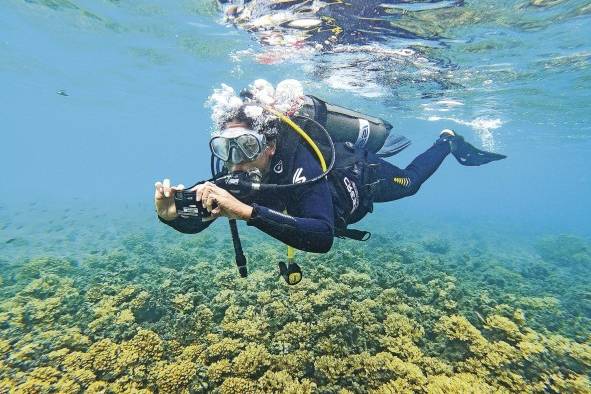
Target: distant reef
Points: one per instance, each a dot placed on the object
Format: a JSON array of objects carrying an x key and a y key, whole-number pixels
[{"x": 398, "y": 314}]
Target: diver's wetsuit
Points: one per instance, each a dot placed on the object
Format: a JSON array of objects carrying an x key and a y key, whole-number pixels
[{"x": 309, "y": 222}]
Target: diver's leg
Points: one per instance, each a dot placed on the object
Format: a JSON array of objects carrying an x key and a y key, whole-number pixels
[{"x": 395, "y": 183}]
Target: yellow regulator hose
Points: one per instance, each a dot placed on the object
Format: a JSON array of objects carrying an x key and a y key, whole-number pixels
[{"x": 306, "y": 137}]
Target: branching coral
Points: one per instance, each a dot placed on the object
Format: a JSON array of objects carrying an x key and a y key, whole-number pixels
[
  {"x": 183, "y": 302},
  {"x": 173, "y": 378},
  {"x": 134, "y": 355},
  {"x": 459, "y": 383},
  {"x": 4, "y": 347},
  {"x": 282, "y": 382},
  {"x": 459, "y": 328},
  {"x": 219, "y": 370},
  {"x": 331, "y": 369},
  {"x": 506, "y": 327},
  {"x": 38, "y": 267},
  {"x": 225, "y": 348},
  {"x": 238, "y": 386},
  {"x": 252, "y": 361},
  {"x": 104, "y": 355}
]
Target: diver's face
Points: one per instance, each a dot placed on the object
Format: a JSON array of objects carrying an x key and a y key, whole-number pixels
[{"x": 261, "y": 162}]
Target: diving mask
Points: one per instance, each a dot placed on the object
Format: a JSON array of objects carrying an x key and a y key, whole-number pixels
[{"x": 237, "y": 145}]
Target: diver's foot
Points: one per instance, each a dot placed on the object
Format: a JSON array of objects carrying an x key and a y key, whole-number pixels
[
  {"x": 449, "y": 137},
  {"x": 447, "y": 133}
]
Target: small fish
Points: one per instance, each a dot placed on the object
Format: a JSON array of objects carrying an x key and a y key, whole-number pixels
[
  {"x": 62, "y": 93},
  {"x": 11, "y": 240}
]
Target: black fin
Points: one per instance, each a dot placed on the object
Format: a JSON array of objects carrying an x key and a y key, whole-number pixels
[
  {"x": 468, "y": 155},
  {"x": 393, "y": 145}
]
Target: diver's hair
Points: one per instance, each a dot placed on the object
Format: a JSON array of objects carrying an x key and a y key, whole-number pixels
[
  {"x": 269, "y": 127},
  {"x": 241, "y": 116}
]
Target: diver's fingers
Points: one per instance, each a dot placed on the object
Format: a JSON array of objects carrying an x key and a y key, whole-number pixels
[
  {"x": 208, "y": 202},
  {"x": 203, "y": 190},
  {"x": 158, "y": 194},
  {"x": 202, "y": 194},
  {"x": 166, "y": 187},
  {"x": 211, "y": 217},
  {"x": 215, "y": 213},
  {"x": 198, "y": 191}
]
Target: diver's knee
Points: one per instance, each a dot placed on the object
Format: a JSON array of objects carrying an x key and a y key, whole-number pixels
[{"x": 412, "y": 192}]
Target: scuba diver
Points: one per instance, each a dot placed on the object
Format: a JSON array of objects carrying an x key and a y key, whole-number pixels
[{"x": 300, "y": 169}]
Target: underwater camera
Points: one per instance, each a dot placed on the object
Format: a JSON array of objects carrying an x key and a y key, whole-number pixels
[{"x": 242, "y": 185}]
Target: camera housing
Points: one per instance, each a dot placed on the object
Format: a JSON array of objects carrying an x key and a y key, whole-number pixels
[
  {"x": 239, "y": 184},
  {"x": 187, "y": 206}
]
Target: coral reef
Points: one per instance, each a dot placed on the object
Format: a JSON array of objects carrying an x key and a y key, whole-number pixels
[
  {"x": 394, "y": 317},
  {"x": 565, "y": 249}
]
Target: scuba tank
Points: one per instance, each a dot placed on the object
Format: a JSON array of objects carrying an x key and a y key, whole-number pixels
[{"x": 360, "y": 130}]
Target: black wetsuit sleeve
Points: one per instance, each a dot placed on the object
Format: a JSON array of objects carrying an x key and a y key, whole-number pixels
[
  {"x": 190, "y": 225},
  {"x": 309, "y": 224}
]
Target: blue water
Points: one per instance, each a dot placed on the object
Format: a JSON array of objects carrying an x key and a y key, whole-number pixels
[
  {"x": 101, "y": 98},
  {"x": 137, "y": 75}
]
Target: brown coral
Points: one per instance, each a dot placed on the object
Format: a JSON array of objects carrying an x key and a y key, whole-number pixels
[{"x": 173, "y": 378}]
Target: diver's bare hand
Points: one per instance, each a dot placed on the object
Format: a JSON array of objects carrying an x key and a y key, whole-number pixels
[
  {"x": 164, "y": 199},
  {"x": 227, "y": 205}
]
